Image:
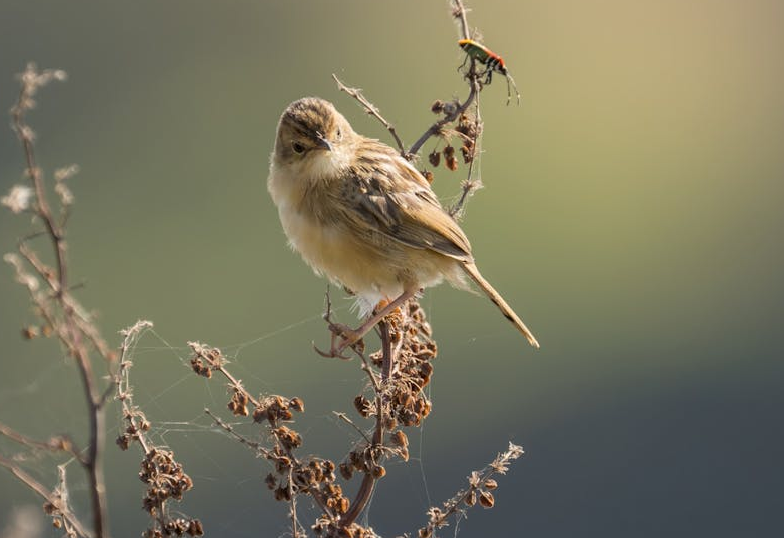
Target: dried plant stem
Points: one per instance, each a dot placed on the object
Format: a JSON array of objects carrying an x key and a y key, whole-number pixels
[
  {"x": 469, "y": 185},
  {"x": 449, "y": 118},
  {"x": 70, "y": 519},
  {"x": 371, "y": 109},
  {"x": 460, "y": 13},
  {"x": 70, "y": 333},
  {"x": 57, "y": 443},
  {"x": 478, "y": 482},
  {"x": 368, "y": 480}
]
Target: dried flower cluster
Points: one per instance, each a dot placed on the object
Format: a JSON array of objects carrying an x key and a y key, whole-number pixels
[
  {"x": 291, "y": 475},
  {"x": 166, "y": 480},
  {"x": 163, "y": 476},
  {"x": 468, "y": 129},
  {"x": 480, "y": 485}
]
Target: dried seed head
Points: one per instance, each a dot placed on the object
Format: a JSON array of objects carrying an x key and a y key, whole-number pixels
[
  {"x": 377, "y": 471},
  {"x": 437, "y": 107},
  {"x": 399, "y": 438},
  {"x": 30, "y": 332},
  {"x": 271, "y": 481},
  {"x": 363, "y": 406},
  {"x": 124, "y": 441},
  {"x": 288, "y": 437},
  {"x": 434, "y": 158},
  {"x": 346, "y": 470},
  {"x": 491, "y": 483},
  {"x": 486, "y": 499},
  {"x": 297, "y": 404},
  {"x": 200, "y": 368}
]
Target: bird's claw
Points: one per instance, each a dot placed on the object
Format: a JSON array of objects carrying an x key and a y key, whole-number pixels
[{"x": 348, "y": 338}]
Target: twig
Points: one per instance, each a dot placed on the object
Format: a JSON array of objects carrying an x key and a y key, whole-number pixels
[
  {"x": 45, "y": 494},
  {"x": 344, "y": 418},
  {"x": 71, "y": 335},
  {"x": 228, "y": 428},
  {"x": 459, "y": 12},
  {"x": 469, "y": 185},
  {"x": 449, "y": 118},
  {"x": 371, "y": 109},
  {"x": 479, "y": 481},
  {"x": 57, "y": 443},
  {"x": 369, "y": 480}
]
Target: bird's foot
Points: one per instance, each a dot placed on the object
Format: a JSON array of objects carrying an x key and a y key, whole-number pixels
[{"x": 348, "y": 338}]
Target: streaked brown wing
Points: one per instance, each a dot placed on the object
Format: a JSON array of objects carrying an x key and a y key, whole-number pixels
[{"x": 403, "y": 207}]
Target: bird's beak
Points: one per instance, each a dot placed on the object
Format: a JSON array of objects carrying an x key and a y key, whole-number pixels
[{"x": 322, "y": 142}]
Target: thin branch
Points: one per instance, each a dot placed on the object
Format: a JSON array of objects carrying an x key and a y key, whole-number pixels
[
  {"x": 449, "y": 118},
  {"x": 459, "y": 12},
  {"x": 369, "y": 480},
  {"x": 228, "y": 428},
  {"x": 479, "y": 481},
  {"x": 469, "y": 185},
  {"x": 57, "y": 443},
  {"x": 47, "y": 495},
  {"x": 31, "y": 80},
  {"x": 371, "y": 109},
  {"x": 344, "y": 418}
]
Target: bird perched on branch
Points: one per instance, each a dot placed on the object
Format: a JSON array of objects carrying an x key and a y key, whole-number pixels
[{"x": 362, "y": 215}]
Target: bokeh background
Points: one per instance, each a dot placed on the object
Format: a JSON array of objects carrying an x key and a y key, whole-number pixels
[{"x": 632, "y": 214}]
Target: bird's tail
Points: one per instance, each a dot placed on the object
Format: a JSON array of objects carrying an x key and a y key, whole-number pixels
[{"x": 472, "y": 271}]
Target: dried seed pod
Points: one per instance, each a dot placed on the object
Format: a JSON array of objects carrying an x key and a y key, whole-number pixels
[
  {"x": 377, "y": 471},
  {"x": 486, "y": 499},
  {"x": 30, "y": 332},
  {"x": 468, "y": 154},
  {"x": 437, "y": 107},
  {"x": 362, "y": 405},
  {"x": 434, "y": 158},
  {"x": 491, "y": 483},
  {"x": 346, "y": 470},
  {"x": 271, "y": 481},
  {"x": 124, "y": 441},
  {"x": 297, "y": 404},
  {"x": 399, "y": 438}
]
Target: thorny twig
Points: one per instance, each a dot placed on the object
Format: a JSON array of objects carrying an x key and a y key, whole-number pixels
[{"x": 371, "y": 109}]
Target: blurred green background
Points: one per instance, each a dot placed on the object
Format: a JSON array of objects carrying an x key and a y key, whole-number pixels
[{"x": 632, "y": 215}]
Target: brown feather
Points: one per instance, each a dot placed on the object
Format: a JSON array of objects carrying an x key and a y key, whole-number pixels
[{"x": 472, "y": 271}]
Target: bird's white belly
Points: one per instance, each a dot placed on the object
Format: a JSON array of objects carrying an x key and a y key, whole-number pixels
[{"x": 336, "y": 253}]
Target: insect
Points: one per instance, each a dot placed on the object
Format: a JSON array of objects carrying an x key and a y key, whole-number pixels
[{"x": 492, "y": 62}]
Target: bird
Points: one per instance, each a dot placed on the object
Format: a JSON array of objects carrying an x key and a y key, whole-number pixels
[{"x": 362, "y": 215}]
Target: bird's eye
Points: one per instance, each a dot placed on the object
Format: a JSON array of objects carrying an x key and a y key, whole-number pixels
[{"x": 297, "y": 147}]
